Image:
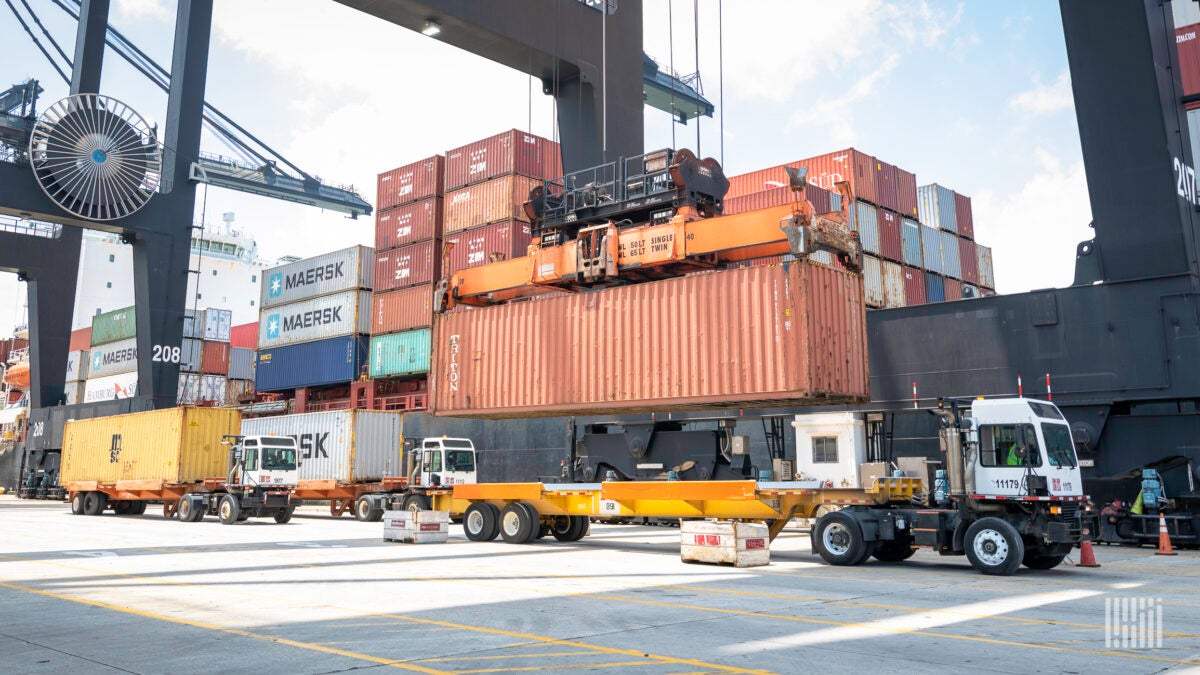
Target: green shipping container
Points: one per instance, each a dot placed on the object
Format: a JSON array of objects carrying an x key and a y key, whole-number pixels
[
  {"x": 119, "y": 324},
  {"x": 400, "y": 353}
]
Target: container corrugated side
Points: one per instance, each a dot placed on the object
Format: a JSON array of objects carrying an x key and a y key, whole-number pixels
[
  {"x": 80, "y": 339},
  {"x": 866, "y": 223},
  {"x": 214, "y": 359},
  {"x": 244, "y": 336},
  {"x": 478, "y": 245},
  {"x": 906, "y": 187},
  {"x": 1187, "y": 46},
  {"x": 320, "y": 318},
  {"x": 114, "y": 326},
  {"x": 410, "y": 265},
  {"x": 77, "y": 366},
  {"x": 968, "y": 261},
  {"x": 111, "y": 387},
  {"x": 887, "y": 191},
  {"x": 505, "y": 153},
  {"x": 320, "y": 275},
  {"x": 217, "y": 324},
  {"x": 935, "y": 290},
  {"x": 191, "y": 351},
  {"x": 404, "y": 353},
  {"x": 241, "y": 364},
  {"x": 347, "y": 446},
  {"x": 408, "y": 224},
  {"x": 74, "y": 392},
  {"x": 936, "y": 206},
  {"x": 893, "y": 285},
  {"x": 987, "y": 278},
  {"x": 194, "y": 388},
  {"x": 823, "y": 201},
  {"x": 193, "y": 329},
  {"x": 914, "y": 286},
  {"x": 174, "y": 445},
  {"x": 113, "y": 358},
  {"x": 405, "y": 309},
  {"x": 952, "y": 289},
  {"x": 931, "y": 248},
  {"x": 873, "y": 282},
  {"x": 963, "y": 216},
  {"x": 890, "y": 245},
  {"x": 310, "y": 364},
  {"x": 824, "y": 171},
  {"x": 910, "y": 241},
  {"x": 492, "y": 201},
  {"x": 409, "y": 183},
  {"x": 787, "y": 334},
  {"x": 238, "y": 391},
  {"x": 950, "y": 264}
]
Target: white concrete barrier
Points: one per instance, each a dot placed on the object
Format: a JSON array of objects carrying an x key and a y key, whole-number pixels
[
  {"x": 727, "y": 542},
  {"x": 416, "y": 527}
]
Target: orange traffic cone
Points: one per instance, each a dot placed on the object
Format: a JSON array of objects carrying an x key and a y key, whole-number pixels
[
  {"x": 1164, "y": 539},
  {"x": 1087, "y": 557}
]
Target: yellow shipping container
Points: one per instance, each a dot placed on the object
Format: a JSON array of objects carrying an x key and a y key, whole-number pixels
[{"x": 176, "y": 445}]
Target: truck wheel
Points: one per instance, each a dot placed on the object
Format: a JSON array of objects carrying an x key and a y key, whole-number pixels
[
  {"x": 838, "y": 537},
  {"x": 366, "y": 511},
  {"x": 243, "y": 516},
  {"x": 228, "y": 510},
  {"x": 122, "y": 508},
  {"x": 481, "y": 521},
  {"x": 893, "y": 551},
  {"x": 187, "y": 512},
  {"x": 139, "y": 507},
  {"x": 581, "y": 527},
  {"x": 517, "y": 523},
  {"x": 563, "y": 527},
  {"x": 542, "y": 530},
  {"x": 285, "y": 515},
  {"x": 1039, "y": 559},
  {"x": 416, "y": 503},
  {"x": 94, "y": 503},
  {"x": 994, "y": 546},
  {"x": 77, "y": 504}
]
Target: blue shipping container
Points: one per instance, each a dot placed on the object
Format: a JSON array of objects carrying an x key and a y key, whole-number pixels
[
  {"x": 310, "y": 364},
  {"x": 931, "y": 247},
  {"x": 867, "y": 226},
  {"x": 935, "y": 204},
  {"x": 406, "y": 353},
  {"x": 910, "y": 238},
  {"x": 935, "y": 291},
  {"x": 951, "y": 264}
]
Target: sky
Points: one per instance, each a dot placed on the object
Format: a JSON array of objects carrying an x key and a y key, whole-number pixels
[{"x": 972, "y": 95}]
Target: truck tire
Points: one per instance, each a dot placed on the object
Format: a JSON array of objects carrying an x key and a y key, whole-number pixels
[
  {"x": 542, "y": 530},
  {"x": 893, "y": 551},
  {"x": 94, "y": 503},
  {"x": 839, "y": 540},
  {"x": 582, "y": 527},
  {"x": 994, "y": 547},
  {"x": 365, "y": 510},
  {"x": 518, "y": 522},
  {"x": 122, "y": 508},
  {"x": 228, "y": 509},
  {"x": 1038, "y": 558},
  {"x": 285, "y": 515},
  {"x": 138, "y": 508},
  {"x": 187, "y": 512},
  {"x": 416, "y": 503},
  {"x": 77, "y": 504},
  {"x": 481, "y": 522}
]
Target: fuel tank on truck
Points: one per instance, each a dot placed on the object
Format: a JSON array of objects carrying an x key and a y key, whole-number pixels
[{"x": 790, "y": 334}]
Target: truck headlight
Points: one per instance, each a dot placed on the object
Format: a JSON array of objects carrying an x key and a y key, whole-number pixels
[{"x": 1055, "y": 510}]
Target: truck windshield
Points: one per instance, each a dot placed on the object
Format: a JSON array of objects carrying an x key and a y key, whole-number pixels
[
  {"x": 1058, "y": 444},
  {"x": 456, "y": 443},
  {"x": 278, "y": 459},
  {"x": 460, "y": 460},
  {"x": 1045, "y": 410}
]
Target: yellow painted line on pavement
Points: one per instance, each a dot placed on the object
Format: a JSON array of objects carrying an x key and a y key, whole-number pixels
[
  {"x": 521, "y": 669},
  {"x": 501, "y": 656}
]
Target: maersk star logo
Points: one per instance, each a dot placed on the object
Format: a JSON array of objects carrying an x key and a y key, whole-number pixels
[
  {"x": 275, "y": 285},
  {"x": 97, "y": 361},
  {"x": 273, "y": 326}
]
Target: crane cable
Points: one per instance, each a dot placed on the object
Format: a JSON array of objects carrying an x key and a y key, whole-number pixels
[
  {"x": 37, "y": 42},
  {"x": 671, "y": 53},
  {"x": 721, "y": 71},
  {"x": 45, "y": 32},
  {"x": 696, "y": 39}
]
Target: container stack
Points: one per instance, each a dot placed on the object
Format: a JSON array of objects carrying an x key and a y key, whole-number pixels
[
  {"x": 76, "y": 381},
  {"x": 204, "y": 357},
  {"x": 112, "y": 357},
  {"x": 957, "y": 267},
  {"x": 243, "y": 341},
  {"x": 312, "y": 329}
]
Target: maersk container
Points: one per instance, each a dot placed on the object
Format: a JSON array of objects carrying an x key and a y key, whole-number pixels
[
  {"x": 77, "y": 366},
  {"x": 936, "y": 206},
  {"x": 893, "y": 285},
  {"x": 110, "y": 388},
  {"x": 866, "y": 223},
  {"x": 400, "y": 353},
  {"x": 114, "y": 326},
  {"x": 347, "y": 446},
  {"x": 931, "y": 248},
  {"x": 987, "y": 277},
  {"x": 935, "y": 290},
  {"x": 344, "y": 313},
  {"x": 334, "y": 272},
  {"x": 950, "y": 263},
  {"x": 910, "y": 239},
  {"x": 241, "y": 364},
  {"x": 310, "y": 364},
  {"x": 173, "y": 445},
  {"x": 113, "y": 358}
]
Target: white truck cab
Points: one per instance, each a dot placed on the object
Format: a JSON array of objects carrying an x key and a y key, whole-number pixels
[
  {"x": 446, "y": 461},
  {"x": 1020, "y": 447},
  {"x": 266, "y": 462}
]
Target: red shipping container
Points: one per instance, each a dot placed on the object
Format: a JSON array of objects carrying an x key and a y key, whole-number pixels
[
  {"x": 408, "y": 224},
  {"x": 494, "y": 201},
  {"x": 410, "y": 183},
  {"x": 906, "y": 193},
  {"x": 953, "y": 289},
  {"x": 914, "y": 287},
  {"x": 82, "y": 339},
  {"x": 1188, "y": 47},
  {"x": 823, "y": 171},
  {"x": 244, "y": 336},
  {"x": 214, "y": 358},
  {"x": 887, "y": 190},
  {"x": 510, "y": 152},
  {"x": 890, "y": 246},
  {"x": 407, "y": 266},
  {"x": 969, "y": 261},
  {"x": 405, "y": 309},
  {"x": 963, "y": 216},
  {"x": 475, "y": 247},
  {"x": 821, "y": 200}
]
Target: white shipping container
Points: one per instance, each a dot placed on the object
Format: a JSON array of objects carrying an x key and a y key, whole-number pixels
[
  {"x": 873, "y": 282},
  {"x": 241, "y": 363},
  {"x": 75, "y": 393},
  {"x": 110, "y": 388},
  {"x": 194, "y": 388},
  {"x": 344, "y": 445},
  {"x": 114, "y": 358},
  {"x": 328, "y": 316},
  {"x": 217, "y": 324},
  {"x": 190, "y": 353},
  {"x": 77, "y": 366},
  {"x": 332, "y": 272}
]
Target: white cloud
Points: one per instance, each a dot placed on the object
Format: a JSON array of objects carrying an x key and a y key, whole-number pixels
[
  {"x": 1045, "y": 98},
  {"x": 157, "y": 10}
]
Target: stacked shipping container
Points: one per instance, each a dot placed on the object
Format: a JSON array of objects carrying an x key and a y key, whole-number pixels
[
  {"x": 112, "y": 358},
  {"x": 204, "y": 357}
]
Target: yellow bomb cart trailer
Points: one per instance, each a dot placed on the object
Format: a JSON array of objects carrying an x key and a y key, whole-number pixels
[{"x": 193, "y": 460}]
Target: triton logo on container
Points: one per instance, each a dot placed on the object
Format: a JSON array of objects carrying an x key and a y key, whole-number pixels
[
  {"x": 273, "y": 327},
  {"x": 275, "y": 285},
  {"x": 452, "y": 374}
]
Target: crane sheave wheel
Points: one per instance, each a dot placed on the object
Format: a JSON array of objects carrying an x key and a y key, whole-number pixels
[{"x": 95, "y": 157}]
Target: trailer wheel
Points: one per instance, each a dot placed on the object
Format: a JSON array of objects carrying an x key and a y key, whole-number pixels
[
  {"x": 517, "y": 523},
  {"x": 77, "y": 504},
  {"x": 582, "y": 527},
  {"x": 994, "y": 547},
  {"x": 542, "y": 530},
  {"x": 122, "y": 508},
  {"x": 838, "y": 537},
  {"x": 365, "y": 510},
  {"x": 187, "y": 512},
  {"x": 416, "y": 503},
  {"x": 285, "y": 515},
  {"x": 228, "y": 510},
  {"x": 481, "y": 521},
  {"x": 94, "y": 503},
  {"x": 1039, "y": 558},
  {"x": 893, "y": 551},
  {"x": 137, "y": 508}
]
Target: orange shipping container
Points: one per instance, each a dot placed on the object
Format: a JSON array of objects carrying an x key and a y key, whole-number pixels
[
  {"x": 824, "y": 171},
  {"x": 490, "y": 202},
  {"x": 775, "y": 335},
  {"x": 214, "y": 358},
  {"x": 410, "y": 183},
  {"x": 509, "y": 152},
  {"x": 81, "y": 339},
  {"x": 405, "y": 309}
]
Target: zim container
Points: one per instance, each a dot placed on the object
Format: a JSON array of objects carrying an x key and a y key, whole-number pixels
[
  {"x": 773, "y": 335},
  {"x": 347, "y": 446},
  {"x": 477, "y": 246},
  {"x": 408, "y": 224},
  {"x": 174, "y": 446},
  {"x": 402, "y": 310},
  {"x": 410, "y": 183},
  {"x": 408, "y": 266},
  {"x": 488, "y": 202},
  {"x": 114, "y": 326},
  {"x": 320, "y": 275},
  {"x": 400, "y": 353},
  {"x": 506, "y": 153},
  {"x": 335, "y": 361}
]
